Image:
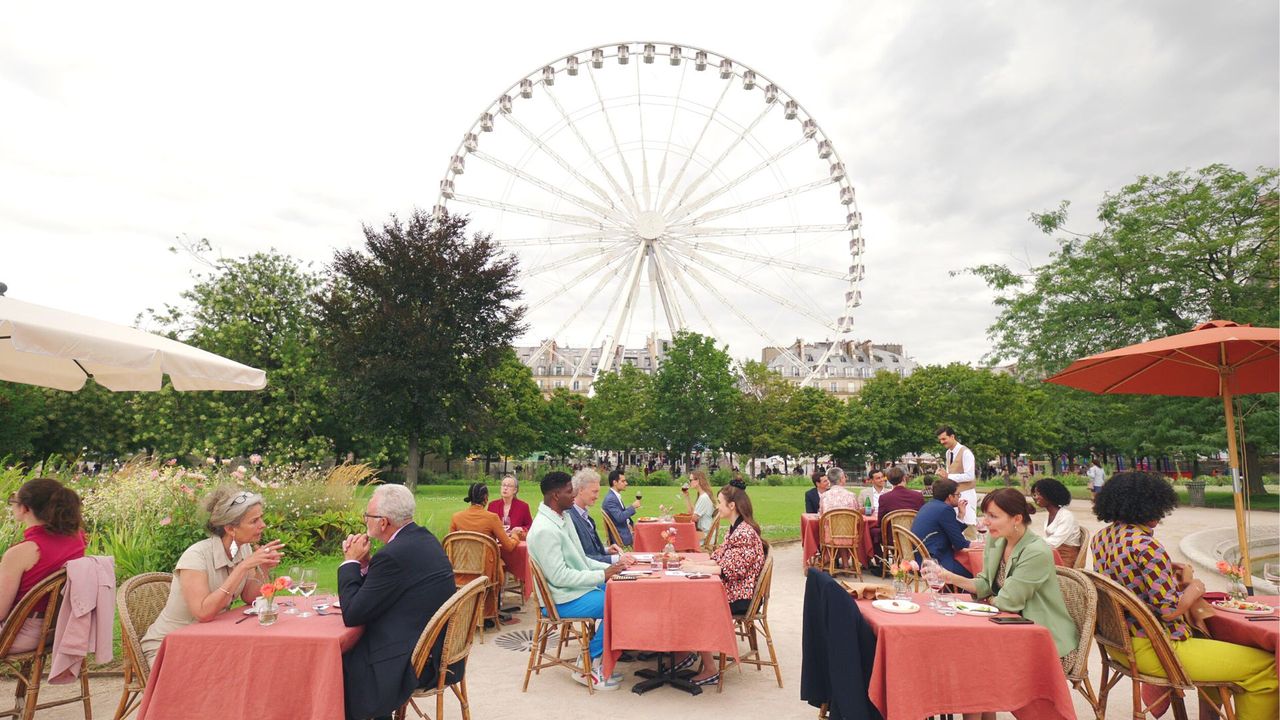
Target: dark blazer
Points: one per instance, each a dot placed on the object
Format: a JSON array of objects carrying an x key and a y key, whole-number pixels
[
  {"x": 900, "y": 498},
  {"x": 621, "y": 516},
  {"x": 408, "y": 580},
  {"x": 838, "y": 648},
  {"x": 942, "y": 533},
  {"x": 589, "y": 537},
  {"x": 812, "y": 500}
]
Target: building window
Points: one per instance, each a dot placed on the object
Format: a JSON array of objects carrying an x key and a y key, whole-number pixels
[
  {"x": 542, "y": 370},
  {"x": 576, "y": 385},
  {"x": 559, "y": 370},
  {"x": 559, "y": 383},
  {"x": 833, "y": 387},
  {"x": 795, "y": 371}
]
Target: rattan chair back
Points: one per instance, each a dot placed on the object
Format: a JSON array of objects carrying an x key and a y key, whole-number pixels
[
  {"x": 890, "y": 521},
  {"x": 139, "y": 601},
  {"x": 1081, "y": 557},
  {"x": 456, "y": 620},
  {"x": 764, "y": 584},
  {"x": 1082, "y": 605},
  {"x": 472, "y": 553},
  {"x": 841, "y": 527},
  {"x": 542, "y": 593},
  {"x": 906, "y": 546},
  {"x": 712, "y": 539},
  {"x": 27, "y": 667},
  {"x": 611, "y": 530}
]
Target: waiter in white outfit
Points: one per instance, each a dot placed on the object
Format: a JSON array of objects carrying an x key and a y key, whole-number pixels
[{"x": 961, "y": 470}]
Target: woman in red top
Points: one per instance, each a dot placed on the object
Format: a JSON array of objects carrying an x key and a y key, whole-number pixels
[
  {"x": 50, "y": 514},
  {"x": 741, "y": 558},
  {"x": 513, "y": 511}
]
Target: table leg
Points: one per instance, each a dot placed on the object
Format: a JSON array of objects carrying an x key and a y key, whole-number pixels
[{"x": 663, "y": 675}]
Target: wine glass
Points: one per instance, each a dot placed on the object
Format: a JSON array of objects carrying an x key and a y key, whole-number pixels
[
  {"x": 294, "y": 573},
  {"x": 1271, "y": 572},
  {"x": 932, "y": 573},
  {"x": 307, "y": 585},
  {"x": 982, "y": 530}
]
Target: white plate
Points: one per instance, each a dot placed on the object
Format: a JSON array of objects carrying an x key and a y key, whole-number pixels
[
  {"x": 250, "y": 611},
  {"x": 1222, "y": 605},
  {"x": 634, "y": 573},
  {"x": 643, "y": 557},
  {"x": 976, "y": 609},
  {"x": 904, "y": 607}
]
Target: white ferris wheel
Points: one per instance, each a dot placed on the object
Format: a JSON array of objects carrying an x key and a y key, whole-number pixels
[{"x": 650, "y": 187}]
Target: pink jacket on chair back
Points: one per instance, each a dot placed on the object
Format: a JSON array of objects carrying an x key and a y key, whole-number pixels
[{"x": 85, "y": 617}]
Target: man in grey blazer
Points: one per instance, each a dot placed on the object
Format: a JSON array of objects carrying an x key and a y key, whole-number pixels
[
  {"x": 613, "y": 507},
  {"x": 586, "y": 490}
]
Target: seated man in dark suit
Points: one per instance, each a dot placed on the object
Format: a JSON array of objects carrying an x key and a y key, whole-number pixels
[
  {"x": 899, "y": 497},
  {"x": 393, "y": 594},
  {"x": 619, "y": 513},
  {"x": 939, "y": 527},
  {"x": 586, "y": 490},
  {"x": 813, "y": 497}
]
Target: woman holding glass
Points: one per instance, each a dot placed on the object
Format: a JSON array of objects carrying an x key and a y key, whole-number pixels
[
  {"x": 214, "y": 571},
  {"x": 513, "y": 511},
  {"x": 704, "y": 510}
]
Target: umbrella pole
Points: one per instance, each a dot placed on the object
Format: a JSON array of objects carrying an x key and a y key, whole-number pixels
[{"x": 1237, "y": 486}]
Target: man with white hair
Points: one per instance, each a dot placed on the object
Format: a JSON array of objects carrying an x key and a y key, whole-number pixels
[
  {"x": 392, "y": 593},
  {"x": 837, "y": 496},
  {"x": 586, "y": 490}
]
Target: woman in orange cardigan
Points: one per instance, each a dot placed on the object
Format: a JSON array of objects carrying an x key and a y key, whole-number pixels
[{"x": 477, "y": 519}]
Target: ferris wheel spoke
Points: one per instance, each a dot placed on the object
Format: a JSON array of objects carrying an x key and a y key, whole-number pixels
[
  {"x": 583, "y": 203},
  {"x": 596, "y": 267},
  {"x": 582, "y": 220},
  {"x": 572, "y": 239},
  {"x": 681, "y": 213},
  {"x": 742, "y": 135},
  {"x": 632, "y": 285},
  {"x": 711, "y": 288},
  {"x": 605, "y": 279},
  {"x": 702, "y": 261},
  {"x": 644, "y": 154},
  {"x": 698, "y": 231},
  {"x": 591, "y": 153},
  {"x": 694, "y": 246},
  {"x": 675, "y": 110},
  {"x": 617, "y": 146},
  {"x": 559, "y": 160},
  {"x": 670, "y": 301},
  {"x": 763, "y": 200},
  {"x": 666, "y": 260},
  {"x": 675, "y": 182},
  {"x": 562, "y": 262}
]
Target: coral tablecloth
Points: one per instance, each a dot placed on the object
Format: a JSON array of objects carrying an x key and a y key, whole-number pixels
[
  {"x": 809, "y": 537},
  {"x": 973, "y": 665},
  {"x": 648, "y": 536},
  {"x": 1236, "y": 628},
  {"x": 516, "y": 561},
  {"x": 667, "y": 614},
  {"x": 971, "y": 558},
  {"x": 219, "y": 669}
]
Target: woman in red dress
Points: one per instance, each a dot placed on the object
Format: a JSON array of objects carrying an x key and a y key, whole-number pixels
[
  {"x": 513, "y": 511},
  {"x": 50, "y": 515}
]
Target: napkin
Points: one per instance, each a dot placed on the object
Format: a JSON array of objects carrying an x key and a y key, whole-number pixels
[{"x": 867, "y": 591}]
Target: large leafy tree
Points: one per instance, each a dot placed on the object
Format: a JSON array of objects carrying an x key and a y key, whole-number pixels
[
  {"x": 759, "y": 428},
  {"x": 415, "y": 323},
  {"x": 812, "y": 421},
  {"x": 512, "y": 412},
  {"x": 620, "y": 413},
  {"x": 695, "y": 392},
  {"x": 22, "y": 410},
  {"x": 884, "y": 421},
  {"x": 564, "y": 424},
  {"x": 1171, "y": 251}
]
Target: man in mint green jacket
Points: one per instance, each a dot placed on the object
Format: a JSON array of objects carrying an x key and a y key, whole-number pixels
[{"x": 576, "y": 582}]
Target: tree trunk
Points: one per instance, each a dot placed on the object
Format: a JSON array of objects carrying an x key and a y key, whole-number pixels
[
  {"x": 413, "y": 464},
  {"x": 1253, "y": 471}
]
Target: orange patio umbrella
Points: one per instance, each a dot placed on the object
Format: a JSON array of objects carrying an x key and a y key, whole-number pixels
[{"x": 1217, "y": 359}]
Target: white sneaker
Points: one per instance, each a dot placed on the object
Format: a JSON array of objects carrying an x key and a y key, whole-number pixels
[{"x": 611, "y": 683}]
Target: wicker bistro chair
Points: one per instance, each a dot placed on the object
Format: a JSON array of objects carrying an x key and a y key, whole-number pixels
[
  {"x": 712, "y": 539},
  {"x": 611, "y": 531},
  {"x": 906, "y": 546},
  {"x": 1115, "y": 644},
  {"x": 887, "y": 523},
  {"x": 1082, "y": 556},
  {"x": 139, "y": 602},
  {"x": 752, "y": 624},
  {"x": 456, "y": 620},
  {"x": 1082, "y": 605},
  {"x": 27, "y": 667},
  {"x": 567, "y": 629},
  {"x": 474, "y": 554},
  {"x": 840, "y": 534}
]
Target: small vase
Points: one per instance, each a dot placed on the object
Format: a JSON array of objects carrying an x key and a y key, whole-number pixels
[
  {"x": 1237, "y": 590},
  {"x": 268, "y": 613},
  {"x": 900, "y": 590}
]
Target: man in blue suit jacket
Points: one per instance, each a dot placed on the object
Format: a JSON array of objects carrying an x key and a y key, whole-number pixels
[
  {"x": 940, "y": 529},
  {"x": 613, "y": 507},
  {"x": 586, "y": 490},
  {"x": 393, "y": 594}
]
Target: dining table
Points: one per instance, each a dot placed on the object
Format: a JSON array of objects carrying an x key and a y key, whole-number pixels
[
  {"x": 809, "y": 523},
  {"x": 972, "y": 665},
  {"x": 516, "y": 562},
  {"x": 665, "y": 611},
  {"x": 647, "y": 536},
  {"x": 1240, "y": 629},
  {"x": 233, "y": 667},
  {"x": 971, "y": 557}
]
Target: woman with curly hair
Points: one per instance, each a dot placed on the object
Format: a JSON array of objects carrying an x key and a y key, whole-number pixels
[
  {"x": 1127, "y": 551},
  {"x": 1061, "y": 530}
]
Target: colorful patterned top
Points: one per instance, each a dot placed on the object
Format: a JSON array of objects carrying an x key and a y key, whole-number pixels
[
  {"x": 1131, "y": 555},
  {"x": 741, "y": 558}
]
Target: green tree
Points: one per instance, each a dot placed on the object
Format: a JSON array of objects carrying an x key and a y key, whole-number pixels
[
  {"x": 1172, "y": 251},
  {"x": 415, "y": 324},
  {"x": 620, "y": 413},
  {"x": 564, "y": 424},
  {"x": 21, "y": 419},
  {"x": 758, "y": 428},
  {"x": 694, "y": 395},
  {"x": 884, "y": 421},
  {"x": 812, "y": 422},
  {"x": 513, "y": 412}
]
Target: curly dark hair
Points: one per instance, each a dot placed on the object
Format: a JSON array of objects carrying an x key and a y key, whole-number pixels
[
  {"x": 1053, "y": 491},
  {"x": 1136, "y": 497}
]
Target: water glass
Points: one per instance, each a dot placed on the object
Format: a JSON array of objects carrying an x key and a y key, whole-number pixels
[
  {"x": 322, "y": 601},
  {"x": 947, "y": 604},
  {"x": 307, "y": 585},
  {"x": 1271, "y": 572}
]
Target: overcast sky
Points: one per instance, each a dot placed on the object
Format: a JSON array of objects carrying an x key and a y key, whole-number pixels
[{"x": 287, "y": 126}]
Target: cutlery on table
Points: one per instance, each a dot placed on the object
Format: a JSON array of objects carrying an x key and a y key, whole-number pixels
[{"x": 246, "y": 617}]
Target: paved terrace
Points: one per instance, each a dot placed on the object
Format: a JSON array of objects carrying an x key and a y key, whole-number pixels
[{"x": 495, "y": 672}]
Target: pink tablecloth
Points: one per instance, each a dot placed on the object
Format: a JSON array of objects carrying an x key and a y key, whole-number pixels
[
  {"x": 1236, "y": 628},
  {"x": 667, "y": 614},
  {"x": 809, "y": 537},
  {"x": 219, "y": 669},
  {"x": 971, "y": 558},
  {"x": 516, "y": 561},
  {"x": 973, "y": 666},
  {"x": 648, "y": 536}
]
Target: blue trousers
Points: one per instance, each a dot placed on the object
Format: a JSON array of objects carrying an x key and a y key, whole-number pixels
[{"x": 589, "y": 605}]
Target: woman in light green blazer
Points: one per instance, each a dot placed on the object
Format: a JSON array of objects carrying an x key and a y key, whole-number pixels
[{"x": 1017, "y": 569}]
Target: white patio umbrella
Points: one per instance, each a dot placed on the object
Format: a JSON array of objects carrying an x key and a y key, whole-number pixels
[{"x": 57, "y": 349}]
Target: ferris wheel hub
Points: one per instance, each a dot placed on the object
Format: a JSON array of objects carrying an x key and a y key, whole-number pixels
[{"x": 651, "y": 224}]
